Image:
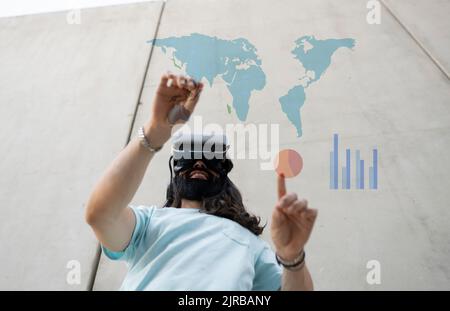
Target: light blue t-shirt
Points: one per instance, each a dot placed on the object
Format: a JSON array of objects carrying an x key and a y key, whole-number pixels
[{"x": 184, "y": 249}]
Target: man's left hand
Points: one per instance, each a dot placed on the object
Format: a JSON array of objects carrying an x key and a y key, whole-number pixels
[{"x": 292, "y": 223}]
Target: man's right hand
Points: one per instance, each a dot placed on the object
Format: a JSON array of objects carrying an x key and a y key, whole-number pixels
[
  {"x": 174, "y": 101},
  {"x": 107, "y": 210}
]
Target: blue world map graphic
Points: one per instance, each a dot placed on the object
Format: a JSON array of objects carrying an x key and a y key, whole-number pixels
[{"x": 237, "y": 63}]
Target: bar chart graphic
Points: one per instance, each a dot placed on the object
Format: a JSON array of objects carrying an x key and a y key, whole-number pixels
[{"x": 346, "y": 170}]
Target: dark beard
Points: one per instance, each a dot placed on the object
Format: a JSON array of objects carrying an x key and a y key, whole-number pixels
[{"x": 197, "y": 189}]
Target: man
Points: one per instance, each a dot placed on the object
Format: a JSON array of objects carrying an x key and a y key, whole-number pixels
[{"x": 203, "y": 239}]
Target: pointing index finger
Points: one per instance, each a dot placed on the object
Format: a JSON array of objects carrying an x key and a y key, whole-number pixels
[{"x": 281, "y": 186}]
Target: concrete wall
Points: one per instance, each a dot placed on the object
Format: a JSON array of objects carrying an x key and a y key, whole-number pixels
[
  {"x": 67, "y": 112},
  {"x": 68, "y": 93}
]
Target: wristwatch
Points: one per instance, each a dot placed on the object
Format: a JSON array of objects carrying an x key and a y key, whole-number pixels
[
  {"x": 294, "y": 265},
  {"x": 144, "y": 141}
]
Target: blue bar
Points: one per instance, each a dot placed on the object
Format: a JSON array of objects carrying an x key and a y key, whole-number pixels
[
  {"x": 331, "y": 170},
  {"x": 335, "y": 161},
  {"x": 348, "y": 169},
  {"x": 361, "y": 171},
  {"x": 357, "y": 165},
  {"x": 375, "y": 169}
]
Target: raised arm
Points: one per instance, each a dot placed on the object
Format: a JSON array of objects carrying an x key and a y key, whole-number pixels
[
  {"x": 292, "y": 224},
  {"x": 107, "y": 210}
]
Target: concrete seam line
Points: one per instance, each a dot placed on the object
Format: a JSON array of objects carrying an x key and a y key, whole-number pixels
[
  {"x": 96, "y": 261},
  {"x": 423, "y": 48},
  {"x": 147, "y": 66},
  {"x": 94, "y": 268}
]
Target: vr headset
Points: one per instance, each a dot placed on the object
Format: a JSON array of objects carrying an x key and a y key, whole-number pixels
[{"x": 187, "y": 148}]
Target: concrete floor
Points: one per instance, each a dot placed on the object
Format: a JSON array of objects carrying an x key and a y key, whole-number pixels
[{"x": 68, "y": 96}]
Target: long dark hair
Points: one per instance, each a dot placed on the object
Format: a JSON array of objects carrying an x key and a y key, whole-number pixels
[{"x": 227, "y": 203}]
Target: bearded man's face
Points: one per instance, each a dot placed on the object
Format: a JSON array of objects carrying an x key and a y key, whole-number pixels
[{"x": 198, "y": 181}]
